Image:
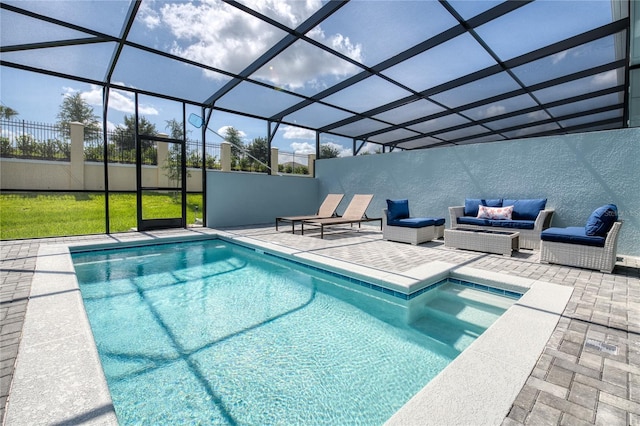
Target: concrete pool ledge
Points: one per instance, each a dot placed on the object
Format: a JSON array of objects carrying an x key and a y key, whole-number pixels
[
  {"x": 58, "y": 378},
  {"x": 480, "y": 385}
]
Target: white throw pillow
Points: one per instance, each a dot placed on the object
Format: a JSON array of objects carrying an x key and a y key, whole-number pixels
[{"x": 495, "y": 213}]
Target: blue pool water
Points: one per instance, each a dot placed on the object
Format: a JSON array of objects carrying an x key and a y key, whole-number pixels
[{"x": 215, "y": 333}]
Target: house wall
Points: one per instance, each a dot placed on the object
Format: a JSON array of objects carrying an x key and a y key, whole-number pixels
[
  {"x": 576, "y": 173},
  {"x": 236, "y": 198}
]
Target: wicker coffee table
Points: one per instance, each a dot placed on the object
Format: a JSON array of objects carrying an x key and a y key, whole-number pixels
[{"x": 498, "y": 242}]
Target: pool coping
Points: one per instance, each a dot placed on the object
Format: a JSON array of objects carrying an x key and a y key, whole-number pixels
[{"x": 58, "y": 364}]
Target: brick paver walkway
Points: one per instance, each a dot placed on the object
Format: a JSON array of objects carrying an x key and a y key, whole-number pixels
[{"x": 588, "y": 374}]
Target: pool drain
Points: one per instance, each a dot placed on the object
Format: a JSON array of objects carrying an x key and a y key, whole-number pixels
[{"x": 601, "y": 346}]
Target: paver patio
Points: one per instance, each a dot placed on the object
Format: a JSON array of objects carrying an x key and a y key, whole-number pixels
[{"x": 575, "y": 381}]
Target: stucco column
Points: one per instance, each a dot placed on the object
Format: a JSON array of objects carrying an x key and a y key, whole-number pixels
[
  {"x": 225, "y": 156},
  {"x": 311, "y": 162},
  {"x": 76, "y": 166},
  {"x": 274, "y": 161}
]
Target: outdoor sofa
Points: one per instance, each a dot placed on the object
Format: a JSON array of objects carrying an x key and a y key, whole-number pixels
[
  {"x": 529, "y": 217},
  {"x": 592, "y": 246},
  {"x": 398, "y": 225}
]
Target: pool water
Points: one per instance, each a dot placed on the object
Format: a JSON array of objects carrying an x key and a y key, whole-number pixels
[{"x": 215, "y": 333}]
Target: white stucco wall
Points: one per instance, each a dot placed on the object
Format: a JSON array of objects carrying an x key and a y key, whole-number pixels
[
  {"x": 576, "y": 173},
  {"x": 33, "y": 175}
]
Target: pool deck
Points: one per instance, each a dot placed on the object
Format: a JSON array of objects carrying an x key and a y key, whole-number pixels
[{"x": 585, "y": 324}]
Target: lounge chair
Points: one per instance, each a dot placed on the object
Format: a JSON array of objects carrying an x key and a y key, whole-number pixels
[
  {"x": 327, "y": 209},
  {"x": 354, "y": 213}
]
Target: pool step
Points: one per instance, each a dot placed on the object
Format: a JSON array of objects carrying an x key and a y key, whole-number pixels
[{"x": 457, "y": 315}]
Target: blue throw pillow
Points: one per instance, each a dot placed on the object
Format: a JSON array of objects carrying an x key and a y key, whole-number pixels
[
  {"x": 471, "y": 205},
  {"x": 397, "y": 209},
  {"x": 601, "y": 220},
  {"x": 526, "y": 209},
  {"x": 492, "y": 203}
]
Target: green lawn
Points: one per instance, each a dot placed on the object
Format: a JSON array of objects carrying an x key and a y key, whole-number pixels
[{"x": 32, "y": 215}]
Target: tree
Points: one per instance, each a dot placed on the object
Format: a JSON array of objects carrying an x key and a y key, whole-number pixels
[
  {"x": 329, "y": 151},
  {"x": 176, "y": 130},
  {"x": 237, "y": 146},
  {"x": 125, "y": 136},
  {"x": 173, "y": 163},
  {"x": 76, "y": 109},
  {"x": 259, "y": 150},
  {"x": 7, "y": 113}
]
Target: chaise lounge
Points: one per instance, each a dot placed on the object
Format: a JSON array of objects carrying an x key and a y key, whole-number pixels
[
  {"x": 327, "y": 209},
  {"x": 593, "y": 246},
  {"x": 354, "y": 213}
]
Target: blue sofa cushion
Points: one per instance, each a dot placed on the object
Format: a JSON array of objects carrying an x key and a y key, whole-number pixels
[
  {"x": 493, "y": 203},
  {"x": 467, "y": 220},
  {"x": 514, "y": 224},
  {"x": 397, "y": 209},
  {"x": 601, "y": 220},
  {"x": 412, "y": 222},
  {"x": 471, "y": 205},
  {"x": 572, "y": 235},
  {"x": 437, "y": 221},
  {"x": 526, "y": 209}
]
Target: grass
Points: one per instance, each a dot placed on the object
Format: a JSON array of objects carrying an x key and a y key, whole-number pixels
[{"x": 40, "y": 214}]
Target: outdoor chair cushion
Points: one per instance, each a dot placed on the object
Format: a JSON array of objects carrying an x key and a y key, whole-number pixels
[
  {"x": 516, "y": 224},
  {"x": 468, "y": 220},
  {"x": 397, "y": 209},
  {"x": 437, "y": 221},
  {"x": 412, "y": 222},
  {"x": 572, "y": 235},
  {"x": 601, "y": 220},
  {"x": 471, "y": 205},
  {"x": 526, "y": 209}
]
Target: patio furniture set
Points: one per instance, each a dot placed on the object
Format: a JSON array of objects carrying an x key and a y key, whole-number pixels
[{"x": 498, "y": 226}]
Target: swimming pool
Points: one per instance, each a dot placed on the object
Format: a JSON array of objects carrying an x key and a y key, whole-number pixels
[{"x": 211, "y": 332}]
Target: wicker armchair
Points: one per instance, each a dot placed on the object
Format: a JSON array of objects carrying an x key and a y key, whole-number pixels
[
  {"x": 583, "y": 256},
  {"x": 410, "y": 235}
]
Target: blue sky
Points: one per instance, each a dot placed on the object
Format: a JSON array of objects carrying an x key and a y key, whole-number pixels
[
  {"x": 221, "y": 36},
  {"x": 180, "y": 28}
]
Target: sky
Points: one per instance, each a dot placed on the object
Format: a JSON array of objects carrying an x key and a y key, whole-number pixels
[
  {"x": 200, "y": 32},
  {"x": 221, "y": 36}
]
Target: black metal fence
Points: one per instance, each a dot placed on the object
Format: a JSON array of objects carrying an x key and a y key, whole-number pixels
[
  {"x": 23, "y": 139},
  {"x": 37, "y": 141}
]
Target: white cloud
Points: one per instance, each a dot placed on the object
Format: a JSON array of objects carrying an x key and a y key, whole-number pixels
[
  {"x": 494, "y": 110},
  {"x": 292, "y": 132},
  {"x": 224, "y": 37},
  {"x": 537, "y": 116},
  {"x": 223, "y": 132},
  {"x": 559, "y": 56},
  {"x": 608, "y": 78},
  {"x": 303, "y": 148},
  {"x": 118, "y": 100},
  {"x": 149, "y": 17},
  {"x": 371, "y": 148},
  {"x": 344, "y": 152}
]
